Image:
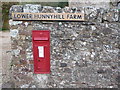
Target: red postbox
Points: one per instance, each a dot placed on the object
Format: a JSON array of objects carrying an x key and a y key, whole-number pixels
[{"x": 41, "y": 51}]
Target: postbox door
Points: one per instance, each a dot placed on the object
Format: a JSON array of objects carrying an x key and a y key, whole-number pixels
[{"x": 41, "y": 52}]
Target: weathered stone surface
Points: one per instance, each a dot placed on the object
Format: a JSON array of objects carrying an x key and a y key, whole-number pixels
[
  {"x": 58, "y": 9},
  {"x": 30, "y": 8},
  {"x": 100, "y": 71},
  {"x": 95, "y": 3},
  {"x": 41, "y": 79},
  {"x": 48, "y": 9},
  {"x": 14, "y": 33},
  {"x": 63, "y": 64},
  {"x": 16, "y": 52},
  {"x": 24, "y": 86},
  {"x": 8, "y": 85},
  {"x": 15, "y": 8},
  {"x": 118, "y": 79},
  {"x": 111, "y": 15},
  {"x": 11, "y": 22}
]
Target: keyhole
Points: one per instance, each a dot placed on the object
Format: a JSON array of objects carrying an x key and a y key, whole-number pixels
[{"x": 38, "y": 60}]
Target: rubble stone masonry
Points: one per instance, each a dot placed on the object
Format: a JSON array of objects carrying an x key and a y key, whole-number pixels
[{"x": 84, "y": 54}]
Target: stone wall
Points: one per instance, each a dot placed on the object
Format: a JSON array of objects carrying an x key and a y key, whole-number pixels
[
  {"x": 83, "y": 54},
  {"x": 93, "y": 3}
]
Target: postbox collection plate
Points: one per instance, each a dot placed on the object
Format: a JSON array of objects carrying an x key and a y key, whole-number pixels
[{"x": 41, "y": 51}]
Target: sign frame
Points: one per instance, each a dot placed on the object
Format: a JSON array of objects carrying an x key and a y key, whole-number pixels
[{"x": 49, "y": 16}]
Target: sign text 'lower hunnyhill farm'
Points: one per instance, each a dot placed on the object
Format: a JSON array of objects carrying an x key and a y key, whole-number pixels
[{"x": 49, "y": 16}]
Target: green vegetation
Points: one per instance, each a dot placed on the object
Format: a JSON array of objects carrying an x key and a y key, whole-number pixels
[
  {"x": 6, "y": 6},
  {"x": 5, "y": 14}
]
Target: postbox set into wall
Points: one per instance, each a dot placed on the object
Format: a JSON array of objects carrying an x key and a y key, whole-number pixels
[{"x": 41, "y": 51}]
